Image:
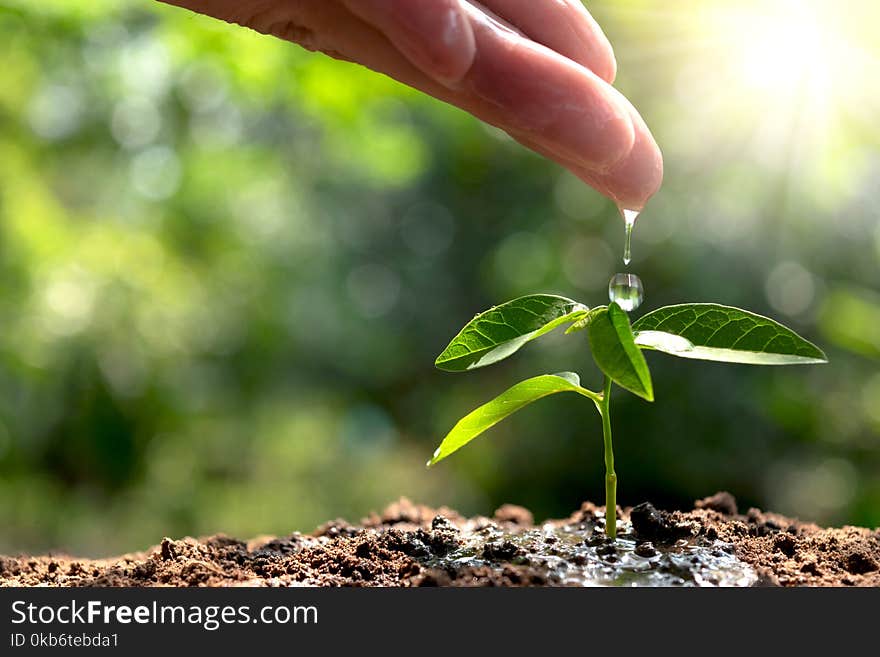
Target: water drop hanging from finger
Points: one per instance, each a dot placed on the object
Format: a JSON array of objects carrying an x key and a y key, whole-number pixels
[{"x": 629, "y": 220}]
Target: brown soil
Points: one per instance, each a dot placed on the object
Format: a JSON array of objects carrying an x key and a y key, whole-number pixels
[{"x": 401, "y": 547}]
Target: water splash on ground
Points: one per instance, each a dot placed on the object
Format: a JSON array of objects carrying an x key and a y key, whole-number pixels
[{"x": 581, "y": 555}]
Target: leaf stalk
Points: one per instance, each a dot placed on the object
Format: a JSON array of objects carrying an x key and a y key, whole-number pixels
[{"x": 610, "y": 476}]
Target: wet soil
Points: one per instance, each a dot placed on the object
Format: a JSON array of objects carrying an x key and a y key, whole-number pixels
[{"x": 413, "y": 545}]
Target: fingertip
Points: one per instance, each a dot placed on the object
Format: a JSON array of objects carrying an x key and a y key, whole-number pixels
[
  {"x": 637, "y": 177},
  {"x": 618, "y": 139},
  {"x": 562, "y": 25},
  {"x": 606, "y": 144},
  {"x": 456, "y": 56},
  {"x": 605, "y": 66},
  {"x": 597, "y": 47}
]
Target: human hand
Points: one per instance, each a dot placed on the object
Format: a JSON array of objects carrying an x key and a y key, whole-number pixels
[{"x": 541, "y": 70}]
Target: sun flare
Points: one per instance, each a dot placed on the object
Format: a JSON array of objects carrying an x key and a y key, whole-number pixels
[{"x": 787, "y": 86}]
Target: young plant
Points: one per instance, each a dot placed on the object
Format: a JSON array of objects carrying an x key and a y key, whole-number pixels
[{"x": 703, "y": 331}]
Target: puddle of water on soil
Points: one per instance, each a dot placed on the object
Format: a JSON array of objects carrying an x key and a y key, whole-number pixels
[{"x": 581, "y": 555}]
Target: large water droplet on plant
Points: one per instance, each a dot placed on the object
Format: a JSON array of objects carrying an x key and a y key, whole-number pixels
[
  {"x": 629, "y": 220},
  {"x": 627, "y": 290}
]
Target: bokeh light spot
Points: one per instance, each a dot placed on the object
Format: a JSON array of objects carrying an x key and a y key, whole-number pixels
[
  {"x": 587, "y": 262},
  {"x": 69, "y": 297},
  {"x": 56, "y": 111},
  {"x": 136, "y": 122},
  {"x": 428, "y": 229},
  {"x": 155, "y": 173},
  {"x": 523, "y": 260},
  {"x": 373, "y": 289},
  {"x": 790, "y": 288}
]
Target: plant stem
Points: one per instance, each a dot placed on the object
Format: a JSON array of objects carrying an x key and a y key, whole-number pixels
[{"x": 610, "y": 475}]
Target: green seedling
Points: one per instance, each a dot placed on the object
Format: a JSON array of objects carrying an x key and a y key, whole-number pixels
[{"x": 701, "y": 331}]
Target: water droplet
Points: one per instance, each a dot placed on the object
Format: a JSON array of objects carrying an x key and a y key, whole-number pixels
[
  {"x": 629, "y": 220},
  {"x": 626, "y": 290}
]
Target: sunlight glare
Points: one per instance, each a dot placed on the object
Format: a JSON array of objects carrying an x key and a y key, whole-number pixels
[{"x": 784, "y": 45}]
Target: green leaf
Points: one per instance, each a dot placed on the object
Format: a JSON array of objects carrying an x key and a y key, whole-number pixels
[
  {"x": 500, "y": 331},
  {"x": 507, "y": 403},
  {"x": 616, "y": 353},
  {"x": 583, "y": 321},
  {"x": 724, "y": 334},
  {"x": 660, "y": 341}
]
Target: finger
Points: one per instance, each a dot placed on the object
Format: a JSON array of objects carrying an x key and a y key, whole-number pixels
[
  {"x": 631, "y": 183},
  {"x": 290, "y": 21},
  {"x": 637, "y": 177},
  {"x": 523, "y": 88},
  {"x": 435, "y": 35},
  {"x": 327, "y": 25},
  {"x": 561, "y": 107},
  {"x": 586, "y": 175},
  {"x": 564, "y": 26},
  {"x": 515, "y": 84},
  {"x": 537, "y": 91}
]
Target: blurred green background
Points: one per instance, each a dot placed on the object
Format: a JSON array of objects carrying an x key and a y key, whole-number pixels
[{"x": 226, "y": 267}]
